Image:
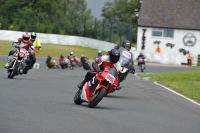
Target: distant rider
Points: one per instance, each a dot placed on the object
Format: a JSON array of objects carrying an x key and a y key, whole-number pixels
[
  {"x": 48, "y": 60},
  {"x": 110, "y": 60},
  {"x": 61, "y": 61},
  {"x": 99, "y": 55},
  {"x": 23, "y": 42},
  {"x": 143, "y": 57}
]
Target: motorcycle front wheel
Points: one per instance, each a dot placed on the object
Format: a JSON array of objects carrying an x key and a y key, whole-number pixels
[
  {"x": 97, "y": 97},
  {"x": 77, "y": 99}
]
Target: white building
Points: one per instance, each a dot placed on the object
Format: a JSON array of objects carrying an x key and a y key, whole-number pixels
[{"x": 174, "y": 25}]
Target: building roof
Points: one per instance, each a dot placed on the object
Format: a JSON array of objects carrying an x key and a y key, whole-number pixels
[{"x": 178, "y": 14}]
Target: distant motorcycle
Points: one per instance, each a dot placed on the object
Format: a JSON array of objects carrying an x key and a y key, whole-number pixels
[
  {"x": 53, "y": 64},
  {"x": 66, "y": 64},
  {"x": 18, "y": 63},
  {"x": 85, "y": 63},
  {"x": 141, "y": 64}
]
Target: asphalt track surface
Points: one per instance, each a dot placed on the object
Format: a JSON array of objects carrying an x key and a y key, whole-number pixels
[{"x": 42, "y": 102}]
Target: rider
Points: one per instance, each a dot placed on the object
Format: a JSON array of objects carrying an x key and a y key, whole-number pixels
[
  {"x": 83, "y": 59},
  {"x": 23, "y": 42},
  {"x": 143, "y": 57},
  {"x": 70, "y": 55},
  {"x": 61, "y": 59},
  {"x": 99, "y": 54},
  {"x": 127, "y": 45},
  {"x": 106, "y": 60},
  {"x": 36, "y": 44},
  {"x": 48, "y": 61}
]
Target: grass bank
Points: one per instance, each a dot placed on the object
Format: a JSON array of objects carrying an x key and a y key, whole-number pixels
[
  {"x": 2, "y": 63},
  {"x": 186, "y": 83},
  {"x": 54, "y": 50}
]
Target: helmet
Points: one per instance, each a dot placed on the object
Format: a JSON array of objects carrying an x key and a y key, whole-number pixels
[
  {"x": 99, "y": 51},
  {"x": 33, "y": 36},
  {"x": 71, "y": 53},
  {"x": 127, "y": 45},
  {"x": 114, "y": 55},
  {"x": 61, "y": 56},
  {"x": 26, "y": 37},
  {"x": 82, "y": 55}
]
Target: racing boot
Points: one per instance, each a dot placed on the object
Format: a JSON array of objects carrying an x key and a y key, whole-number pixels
[
  {"x": 9, "y": 58},
  {"x": 118, "y": 87},
  {"x": 80, "y": 85}
]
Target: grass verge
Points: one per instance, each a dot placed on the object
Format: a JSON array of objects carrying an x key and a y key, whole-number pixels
[
  {"x": 54, "y": 50},
  {"x": 186, "y": 83},
  {"x": 2, "y": 63}
]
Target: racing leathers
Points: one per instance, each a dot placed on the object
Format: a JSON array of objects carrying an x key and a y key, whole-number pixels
[
  {"x": 99, "y": 66},
  {"x": 19, "y": 43}
]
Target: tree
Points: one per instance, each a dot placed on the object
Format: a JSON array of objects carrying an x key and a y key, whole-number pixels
[{"x": 123, "y": 11}]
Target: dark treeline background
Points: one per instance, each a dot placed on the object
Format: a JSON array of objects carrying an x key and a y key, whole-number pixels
[{"x": 71, "y": 17}]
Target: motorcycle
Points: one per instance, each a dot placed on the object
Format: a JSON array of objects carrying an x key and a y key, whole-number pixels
[
  {"x": 125, "y": 61},
  {"x": 30, "y": 55},
  {"x": 66, "y": 64},
  {"x": 53, "y": 64},
  {"x": 78, "y": 62},
  {"x": 18, "y": 64},
  {"x": 85, "y": 63},
  {"x": 94, "y": 90},
  {"x": 141, "y": 64}
]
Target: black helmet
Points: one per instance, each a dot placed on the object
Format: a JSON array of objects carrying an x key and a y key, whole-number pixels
[
  {"x": 127, "y": 45},
  {"x": 33, "y": 36},
  {"x": 114, "y": 55}
]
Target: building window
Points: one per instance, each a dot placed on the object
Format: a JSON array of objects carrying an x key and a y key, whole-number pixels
[{"x": 158, "y": 32}]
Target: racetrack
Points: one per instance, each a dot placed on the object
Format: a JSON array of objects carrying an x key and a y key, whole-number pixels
[{"x": 42, "y": 102}]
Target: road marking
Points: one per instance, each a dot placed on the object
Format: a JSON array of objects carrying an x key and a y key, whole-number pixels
[
  {"x": 177, "y": 93},
  {"x": 136, "y": 75}
]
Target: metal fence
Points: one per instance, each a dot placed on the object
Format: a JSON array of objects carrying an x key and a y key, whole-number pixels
[{"x": 107, "y": 30}]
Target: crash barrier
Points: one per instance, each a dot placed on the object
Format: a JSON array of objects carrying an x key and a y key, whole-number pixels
[
  {"x": 60, "y": 39},
  {"x": 36, "y": 66}
]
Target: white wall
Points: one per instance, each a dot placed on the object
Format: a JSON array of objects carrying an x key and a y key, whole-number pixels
[
  {"x": 60, "y": 39},
  {"x": 168, "y": 54}
]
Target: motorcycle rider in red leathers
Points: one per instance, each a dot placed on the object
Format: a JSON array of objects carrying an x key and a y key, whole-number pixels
[
  {"x": 110, "y": 60},
  {"x": 23, "y": 42},
  {"x": 61, "y": 59}
]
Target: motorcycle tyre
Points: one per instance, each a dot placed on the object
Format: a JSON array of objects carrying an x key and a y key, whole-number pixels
[
  {"x": 14, "y": 71},
  {"x": 97, "y": 99},
  {"x": 77, "y": 98}
]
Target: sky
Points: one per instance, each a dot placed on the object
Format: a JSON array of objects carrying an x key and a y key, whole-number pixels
[{"x": 96, "y": 6}]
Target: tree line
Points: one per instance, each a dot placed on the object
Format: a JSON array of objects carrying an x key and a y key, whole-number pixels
[{"x": 70, "y": 17}]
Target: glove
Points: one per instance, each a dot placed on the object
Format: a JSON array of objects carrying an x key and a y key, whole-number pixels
[{"x": 132, "y": 71}]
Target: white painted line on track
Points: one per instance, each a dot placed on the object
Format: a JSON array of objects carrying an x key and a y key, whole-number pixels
[
  {"x": 177, "y": 93},
  {"x": 136, "y": 75}
]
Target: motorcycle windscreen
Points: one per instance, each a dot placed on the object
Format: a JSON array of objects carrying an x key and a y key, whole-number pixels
[
  {"x": 112, "y": 75},
  {"x": 125, "y": 57}
]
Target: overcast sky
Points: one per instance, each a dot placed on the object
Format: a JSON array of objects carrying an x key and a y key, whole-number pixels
[{"x": 96, "y": 6}]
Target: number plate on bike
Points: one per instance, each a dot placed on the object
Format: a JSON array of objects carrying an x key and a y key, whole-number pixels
[{"x": 110, "y": 78}]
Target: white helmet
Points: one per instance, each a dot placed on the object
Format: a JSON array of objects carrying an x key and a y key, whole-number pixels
[
  {"x": 71, "y": 53},
  {"x": 99, "y": 51}
]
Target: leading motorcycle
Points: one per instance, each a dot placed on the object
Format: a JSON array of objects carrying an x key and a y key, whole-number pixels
[
  {"x": 18, "y": 63},
  {"x": 141, "y": 64}
]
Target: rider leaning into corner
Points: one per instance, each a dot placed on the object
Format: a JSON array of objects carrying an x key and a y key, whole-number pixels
[
  {"x": 61, "y": 60},
  {"x": 127, "y": 45},
  {"x": 23, "y": 42},
  {"x": 111, "y": 60}
]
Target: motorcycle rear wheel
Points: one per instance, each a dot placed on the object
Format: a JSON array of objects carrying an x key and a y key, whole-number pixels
[{"x": 97, "y": 98}]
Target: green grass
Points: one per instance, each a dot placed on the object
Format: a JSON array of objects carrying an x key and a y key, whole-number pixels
[
  {"x": 54, "y": 50},
  {"x": 186, "y": 83},
  {"x": 2, "y": 63}
]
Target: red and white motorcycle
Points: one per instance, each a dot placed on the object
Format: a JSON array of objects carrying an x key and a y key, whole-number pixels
[{"x": 94, "y": 90}]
